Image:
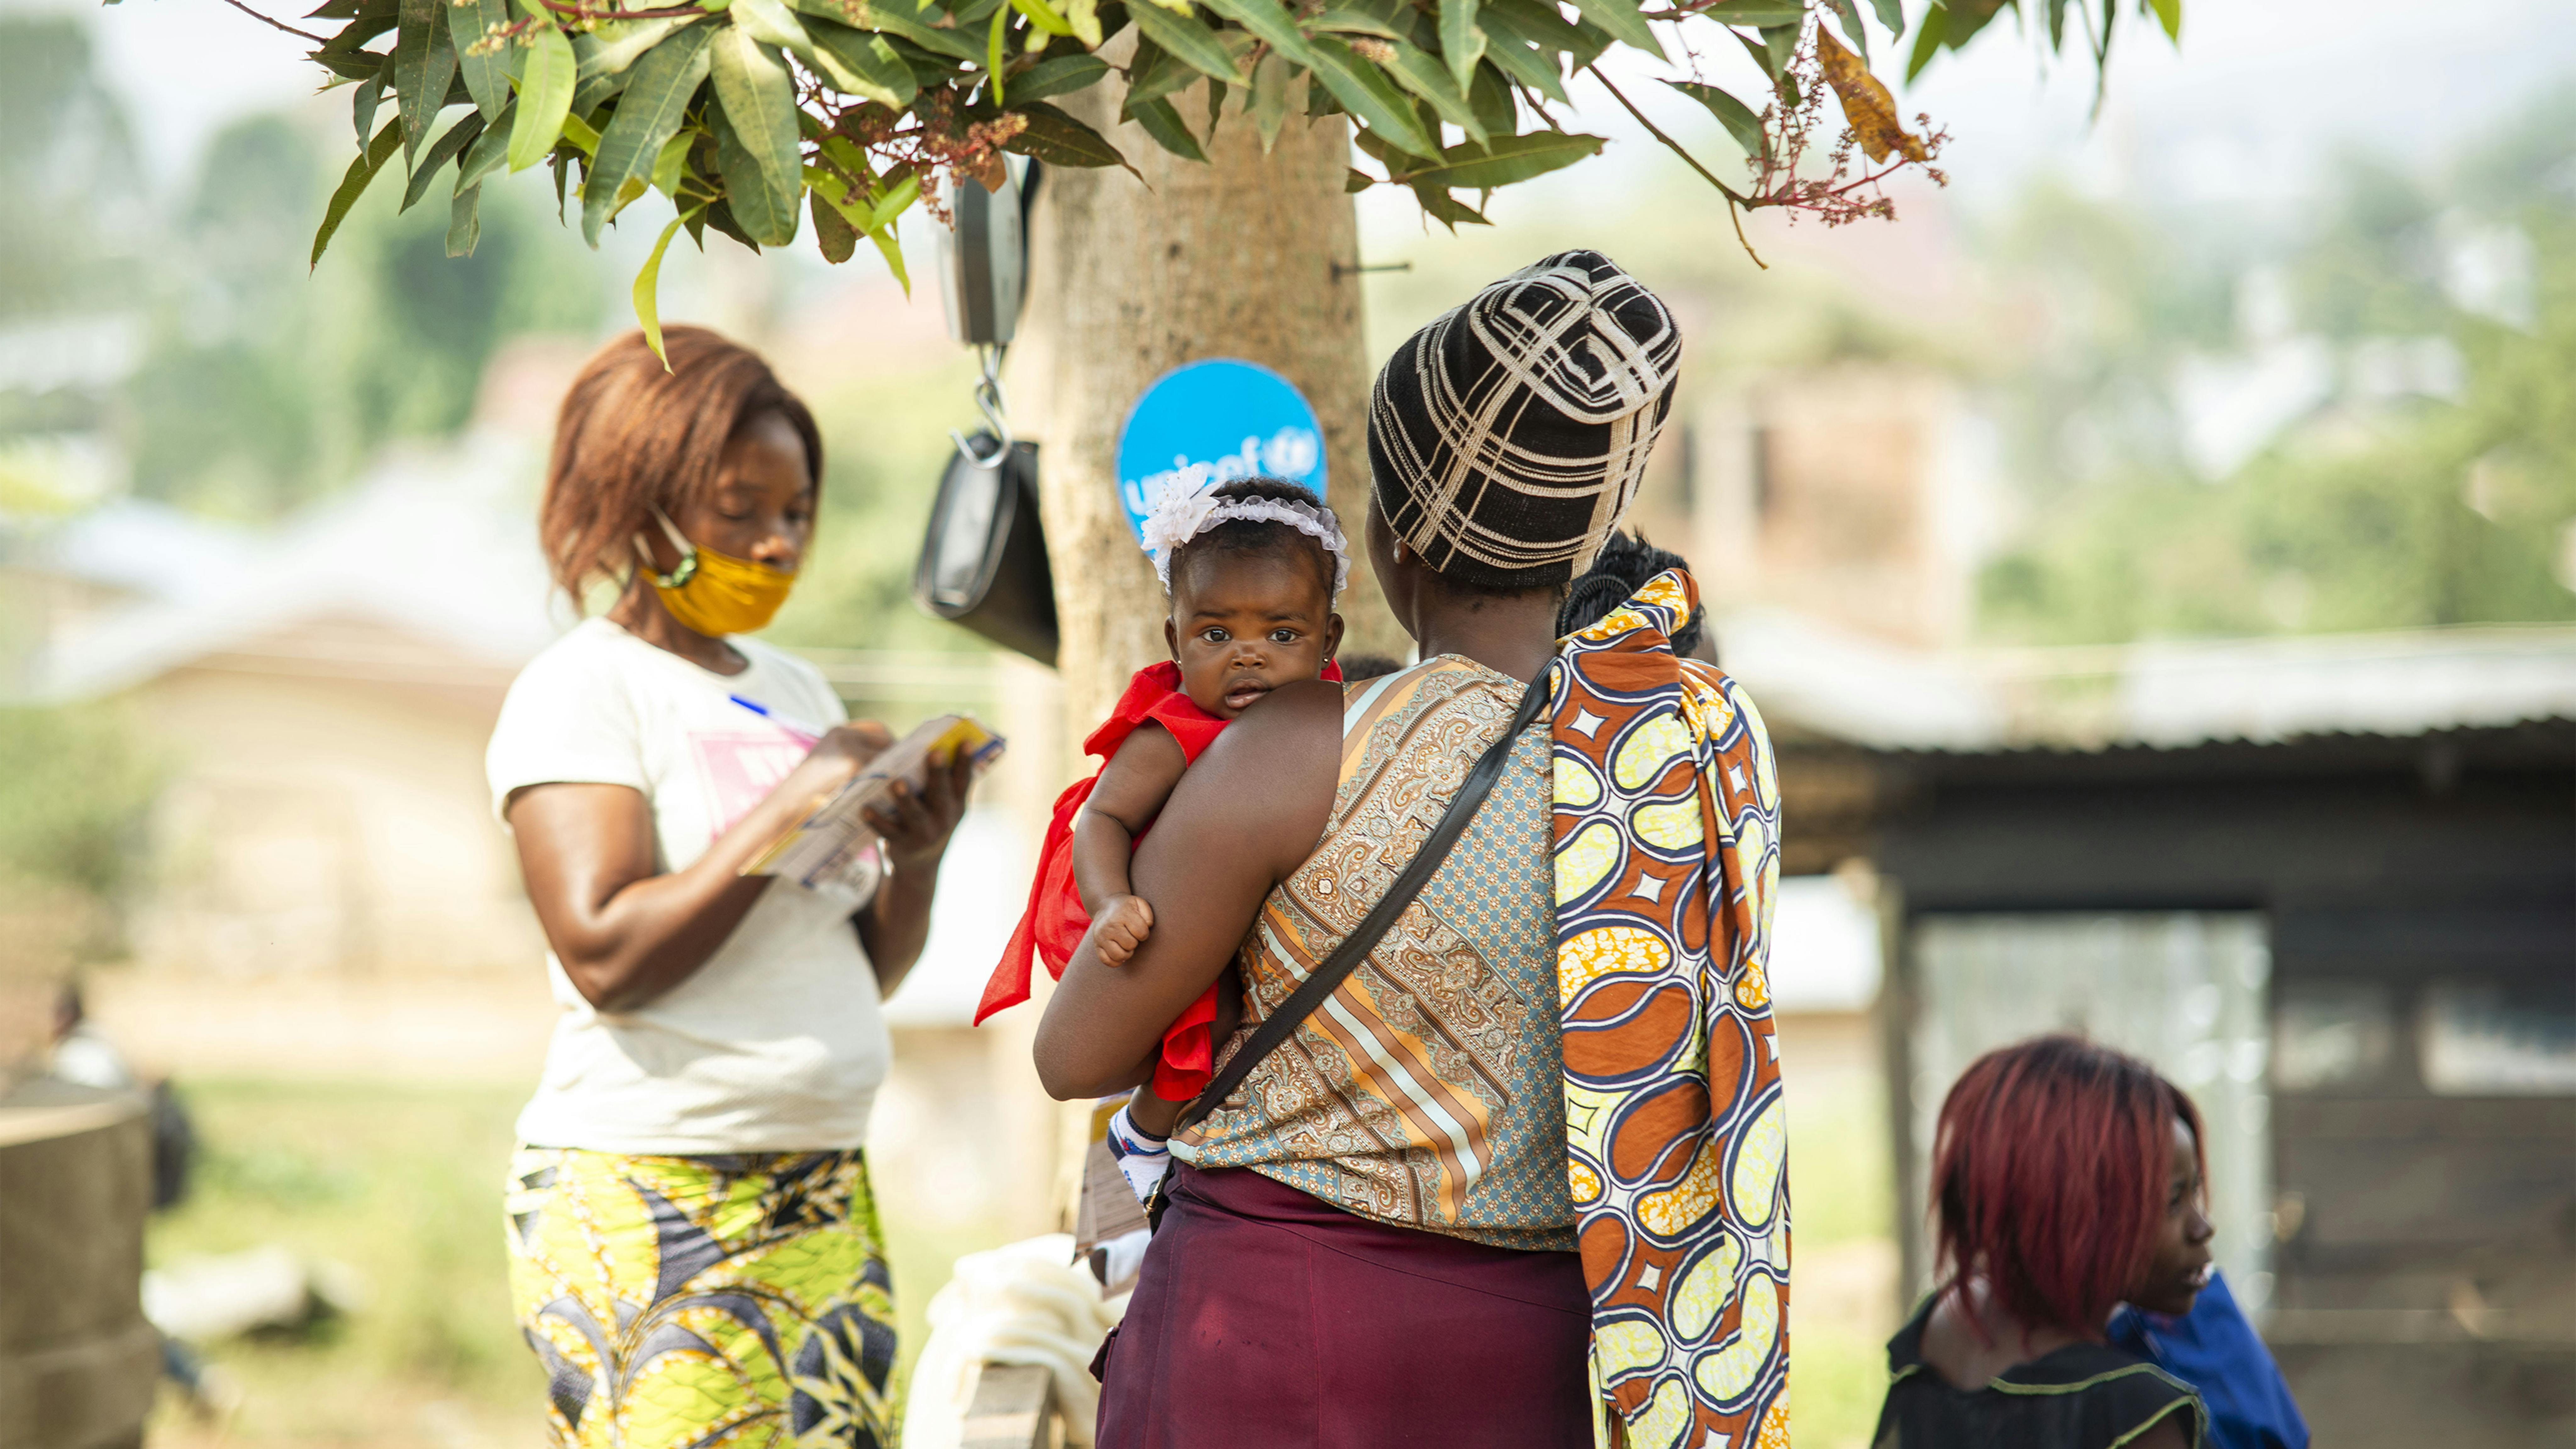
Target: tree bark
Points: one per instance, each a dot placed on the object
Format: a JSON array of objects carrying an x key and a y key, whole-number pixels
[{"x": 1247, "y": 257}]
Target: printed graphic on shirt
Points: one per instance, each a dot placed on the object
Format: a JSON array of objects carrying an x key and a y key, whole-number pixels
[{"x": 741, "y": 767}]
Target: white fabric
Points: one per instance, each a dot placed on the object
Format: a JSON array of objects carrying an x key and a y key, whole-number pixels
[
  {"x": 1023, "y": 1303},
  {"x": 777, "y": 1043},
  {"x": 1181, "y": 517}
]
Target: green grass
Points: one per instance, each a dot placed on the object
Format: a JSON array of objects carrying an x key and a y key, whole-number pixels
[
  {"x": 1841, "y": 1198},
  {"x": 402, "y": 1184}
]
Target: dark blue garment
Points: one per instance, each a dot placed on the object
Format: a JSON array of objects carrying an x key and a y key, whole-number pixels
[{"x": 2216, "y": 1351}]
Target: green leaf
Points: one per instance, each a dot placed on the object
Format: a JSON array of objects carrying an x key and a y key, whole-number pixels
[
  {"x": 1163, "y": 123},
  {"x": 861, "y": 63},
  {"x": 671, "y": 164},
  {"x": 545, "y": 96},
  {"x": 1849, "y": 13},
  {"x": 1519, "y": 54},
  {"x": 424, "y": 67},
  {"x": 488, "y": 151},
  {"x": 1506, "y": 160},
  {"x": 756, "y": 143},
  {"x": 1155, "y": 73},
  {"x": 1927, "y": 41},
  {"x": 441, "y": 151},
  {"x": 1492, "y": 97},
  {"x": 2169, "y": 15},
  {"x": 1370, "y": 97},
  {"x": 370, "y": 93},
  {"x": 993, "y": 35},
  {"x": 1058, "y": 139},
  {"x": 1891, "y": 13},
  {"x": 1270, "y": 103},
  {"x": 1462, "y": 44},
  {"x": 487, "y": 77},
  {"x": 354, "y": 183},
  {"x": 771, "y": 23},
  {"x": 1189, "y": 39},
  {"x": 348, "y": 65},
  {"x": 648, "y": 305},
  {"x": 1445, "y": 209},
  {"x": 1042, "y": 17},
  {"x": 1782, "y": 42},
  {"x": 1084, "y": 17},
  {"x": 1056, "y": 76},
  {"x": 1418, "y": 71},
  {"x": 1735, "y": 115},
  {"x": 1621, "y": 20},
  {"x": 890, "y": 247},
  {"x": 897, "y": 18},
  {"x": 657, "y": 95},
  {"x": 1351, "y": 20},
  {"x": 1758, "y": 12},
  {"x": 465, "y": 221},
  {"x": 833, "y": 235},
  {"x": 1761, "y": 54},
  {"x": 620, "y": 46},
  {"x": 1271, "y": 21}
]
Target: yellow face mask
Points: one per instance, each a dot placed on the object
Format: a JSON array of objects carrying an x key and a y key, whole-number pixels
[{"x": 715, "y": 593}]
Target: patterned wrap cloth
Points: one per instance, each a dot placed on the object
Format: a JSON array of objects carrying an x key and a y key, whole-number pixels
[
  {"x": 1666, "y": 856},
  {"x": 732, "y": 1302},
  {"x": 1425, "y": 1092}
]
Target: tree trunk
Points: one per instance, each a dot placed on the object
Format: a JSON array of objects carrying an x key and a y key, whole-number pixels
[{"x": 1249, "y": 257}]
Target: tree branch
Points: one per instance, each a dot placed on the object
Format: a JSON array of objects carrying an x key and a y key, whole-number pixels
[
  {"x": 1658, "y": 132},
  {"x": 280, "y": 24}
]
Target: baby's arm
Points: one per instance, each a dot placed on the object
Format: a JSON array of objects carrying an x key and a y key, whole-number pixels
[{"x": 1128, "y": 795}]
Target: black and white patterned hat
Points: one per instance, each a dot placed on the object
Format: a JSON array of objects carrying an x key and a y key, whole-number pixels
[{"x": 1509, "y": 436}]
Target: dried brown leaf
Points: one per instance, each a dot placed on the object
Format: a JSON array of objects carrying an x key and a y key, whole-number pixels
[{"x": 1866, "y": 103}]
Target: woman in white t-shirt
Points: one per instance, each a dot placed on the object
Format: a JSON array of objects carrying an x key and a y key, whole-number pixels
[{"x": 694, "y": 1245}]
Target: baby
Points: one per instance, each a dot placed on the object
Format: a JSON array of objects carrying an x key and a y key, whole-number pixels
[{"x": 1252, "y": 568}]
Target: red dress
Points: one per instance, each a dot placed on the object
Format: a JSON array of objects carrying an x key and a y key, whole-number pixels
[{"x": 1053, "y": 924}]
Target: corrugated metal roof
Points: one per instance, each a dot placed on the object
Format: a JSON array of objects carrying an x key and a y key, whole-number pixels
[{"x": 2162, "y": 694}]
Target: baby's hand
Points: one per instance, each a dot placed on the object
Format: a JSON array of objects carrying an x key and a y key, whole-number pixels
[{"x": 1124, "y": 924}]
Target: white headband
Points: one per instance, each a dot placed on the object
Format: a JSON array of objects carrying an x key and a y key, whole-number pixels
[{"x": 1180, "y": 517}]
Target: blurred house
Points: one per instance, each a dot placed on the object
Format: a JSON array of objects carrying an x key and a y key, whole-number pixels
[
  {"x": 320, "y": 696},
  {"x": 2327, "y": 884},
  {"x": 1862, "y": 494}
]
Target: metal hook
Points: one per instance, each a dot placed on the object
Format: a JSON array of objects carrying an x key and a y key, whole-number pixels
[{"x": 995, "y": 406}]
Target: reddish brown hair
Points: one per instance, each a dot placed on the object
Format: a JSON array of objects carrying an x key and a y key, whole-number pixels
[
  {"x": 633, "y": 436},
  {"x": 2049, "y": 1177}
]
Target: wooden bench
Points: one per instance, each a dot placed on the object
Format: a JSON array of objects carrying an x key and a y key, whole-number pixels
[{"x": 1013, "y": 1408}]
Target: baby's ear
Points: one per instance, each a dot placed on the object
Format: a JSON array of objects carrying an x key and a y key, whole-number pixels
[
  {"x": 1332, "y": 635},
  {"x": 1171, "y": 639}
]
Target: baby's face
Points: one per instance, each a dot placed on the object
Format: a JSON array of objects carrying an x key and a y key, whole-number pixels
[{"x": 1244, "y": 624}]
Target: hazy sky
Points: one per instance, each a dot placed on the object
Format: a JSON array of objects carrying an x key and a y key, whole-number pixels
[
  {"x": 2259, "y": 90},
  {"x": 2257, "y": 97}
]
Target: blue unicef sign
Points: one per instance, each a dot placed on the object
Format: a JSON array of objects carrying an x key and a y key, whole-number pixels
[{"x": 1213, "y": 422}]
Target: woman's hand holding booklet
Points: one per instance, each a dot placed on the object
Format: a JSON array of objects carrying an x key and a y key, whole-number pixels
[{"x": 830, "y": 847}]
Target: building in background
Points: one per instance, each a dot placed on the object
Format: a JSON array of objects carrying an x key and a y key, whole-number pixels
[{"x": 2327, "y": 884}]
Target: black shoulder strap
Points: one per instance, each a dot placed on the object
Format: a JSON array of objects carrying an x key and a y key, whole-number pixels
[{"x": 1310, "y": 993}]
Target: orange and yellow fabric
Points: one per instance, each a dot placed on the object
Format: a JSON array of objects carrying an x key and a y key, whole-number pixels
[{"x": 1665, "y": 847}]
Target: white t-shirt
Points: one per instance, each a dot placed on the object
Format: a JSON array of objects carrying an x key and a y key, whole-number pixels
[{"x": 777, "y": 1043}]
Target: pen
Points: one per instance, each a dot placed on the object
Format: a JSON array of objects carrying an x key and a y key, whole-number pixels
[{"x": 762, "y": 710}]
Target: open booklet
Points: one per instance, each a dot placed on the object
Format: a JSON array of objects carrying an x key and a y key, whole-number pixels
[{"x": 831, "y": 848}]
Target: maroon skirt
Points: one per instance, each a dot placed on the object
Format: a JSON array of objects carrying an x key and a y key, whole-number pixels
[{"x": 1267, "y": 1319}]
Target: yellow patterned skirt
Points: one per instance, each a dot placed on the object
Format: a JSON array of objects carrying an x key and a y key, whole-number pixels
[{"x": 732, "y": 1302}]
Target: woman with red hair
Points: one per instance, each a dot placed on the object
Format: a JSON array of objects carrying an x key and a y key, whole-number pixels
[{"x": 2066, "y": 1180}]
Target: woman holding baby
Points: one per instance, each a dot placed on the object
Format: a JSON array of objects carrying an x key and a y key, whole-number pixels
[{"x": 1523, "y": 1167}]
